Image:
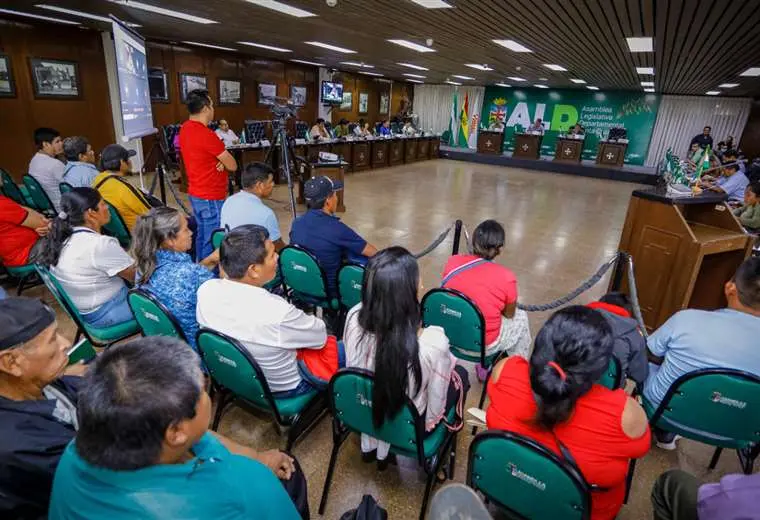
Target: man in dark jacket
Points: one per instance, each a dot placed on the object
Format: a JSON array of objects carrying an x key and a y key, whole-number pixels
[
  {"x": 38, "y": 397},
  {"x": 704, "y": 139}
]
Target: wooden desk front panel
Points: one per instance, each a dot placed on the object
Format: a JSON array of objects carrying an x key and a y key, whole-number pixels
[
  {"x": 568, "y": 150},
  {"x": 611, "y": 154},
  {"x": 342, "y": 150},
  {"x": 379, "y": 153},
  {"x": 396, "y": 151},
  {"x": 360, "y": 156},
  {"x": 527, "y": 146},
  {"x": 435, "y": 145},
  {"x": 490, "y": 142},
  {"x": 422, "y": 148},
  {"x": 312, "y": 151},
  {"x": 410, "y": 150}
]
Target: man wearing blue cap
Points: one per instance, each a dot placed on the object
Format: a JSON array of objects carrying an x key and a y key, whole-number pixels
[{"x": 323, "y": 234}]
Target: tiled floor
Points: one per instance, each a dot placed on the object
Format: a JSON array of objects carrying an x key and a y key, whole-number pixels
[{"x": 560, "y": 229}]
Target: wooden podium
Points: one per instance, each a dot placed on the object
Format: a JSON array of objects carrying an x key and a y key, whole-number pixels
[
  {"x": 684, "y": 250},
  {"x": 335, "y": 170},
  {"x": 527, "y": 146},
  {"x": 611, "y": 153},
  {"x": 490, "y": 142},
  {"x": 568, "y": 150}
]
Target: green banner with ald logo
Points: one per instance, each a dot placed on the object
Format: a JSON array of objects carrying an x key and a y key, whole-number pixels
[{"x": 559, "y": 110}]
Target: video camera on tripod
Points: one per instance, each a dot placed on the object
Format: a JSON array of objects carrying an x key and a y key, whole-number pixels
[{"x": 283, "y": 111}]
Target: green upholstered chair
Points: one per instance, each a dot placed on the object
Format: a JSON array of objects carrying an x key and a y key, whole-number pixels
[
  {"x": 65, "y": 187},
  {"x": 304, "y": 278},
  {"x": 152, "y": 316},
  {"x": 613, "y": 376},
  {"x": 240, "y": 379},
  {"x": 11, "y": 189},
  {"x": 39, "y": 198},
  {"x": 350, "y": 285},
  {"x": 117, "y": 228},
  {"x": 350, "y": 395},
  {"x": 525, "y": 478},
  {"x": 26, "y": 276}
]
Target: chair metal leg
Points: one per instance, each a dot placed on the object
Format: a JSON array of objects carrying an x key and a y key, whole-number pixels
[
  {"x": 306, "y": 421},
  {"x": 225, "y": 398},
  {"x": 453, "y": 456},
  {"x": 482, "y": 399},
  {"x": 715, "y": 458},
  {"x": 629, "y": 479},
  {"x": 328, "y": 479},
  {"x": 78, "y": 335},
  {"x": 428, "y": 487}
]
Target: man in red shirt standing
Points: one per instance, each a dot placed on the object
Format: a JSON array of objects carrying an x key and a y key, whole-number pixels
[
  {"x": 20, "y": 230},
  {"x": 206, "y": 162}
]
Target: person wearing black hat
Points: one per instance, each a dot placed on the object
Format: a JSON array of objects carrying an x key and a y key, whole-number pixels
[
  {"x": 342, "y": 129},
  {"x": 38, "y": 399},
  {"x": 323, "y": 234},
  {"x": 128, "y": 201}
]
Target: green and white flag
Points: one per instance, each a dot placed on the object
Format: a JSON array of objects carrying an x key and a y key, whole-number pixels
[
  {"x": 704, "y": 163},
  {"x": 453, "y": 121}
]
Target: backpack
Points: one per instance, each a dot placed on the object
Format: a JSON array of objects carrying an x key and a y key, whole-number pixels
[{"x": 368, "y": 510}]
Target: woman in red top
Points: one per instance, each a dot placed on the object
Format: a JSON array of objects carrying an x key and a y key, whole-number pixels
[{"x": 553, "y": 398}]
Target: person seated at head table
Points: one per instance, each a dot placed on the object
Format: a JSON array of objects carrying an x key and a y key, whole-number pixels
[
  {"x": 342, "y": 129},
  {"x": 362, "y": 129},
  {"x": 408, "y": 129},
  {"x": 292, "y": 348},
  {"x": 537, "y": 126},
  {"x": 732, "y": 182},
  {"x": 385, "y": 129},
  {"x": 694, "y": 339},
  {"x": 319, "y": 131},
  {"x": 247, "y": 206},
  {"x": 576, "y": 129},
  {"x": 38, "y": 400},
  {"x": 554, "y": 398},
  {"x": 80, "y": 170},
  {"x": 749, "y": 212},
  {"x": 91, "y": 267},
  {"x": 44, "y": 166},
  {"x": 162, "y": 240},
  {"x": 630, "y": 347},
  {"x": 143, "y": 449},
  {"x": 224, "y": 133},
  {"x": 408, "y": 360},
  {"x": 324, "y": 235},
  {"x": 128, "y": 200},
  {"x": 497, "y": 125},
  {"x": 20, "y": 232},
  {"x": 493, "y": 289}
]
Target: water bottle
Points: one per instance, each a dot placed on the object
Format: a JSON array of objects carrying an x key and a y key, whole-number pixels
[{"x": 242, "y": 136}]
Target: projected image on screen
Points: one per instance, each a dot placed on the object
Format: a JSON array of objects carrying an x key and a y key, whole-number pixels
[{"x": 134, "y": 89}]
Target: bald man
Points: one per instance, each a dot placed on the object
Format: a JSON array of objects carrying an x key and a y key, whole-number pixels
[{"x": 224, "y": 133}]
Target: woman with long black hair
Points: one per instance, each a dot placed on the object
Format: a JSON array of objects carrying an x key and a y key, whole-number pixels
[
  {"x": 384, "y": 333},
  {"x": 91, "y": 267}
]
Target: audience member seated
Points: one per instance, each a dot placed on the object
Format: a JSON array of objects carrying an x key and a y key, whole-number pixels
[
  {"x": 291, "y": 347},
  {"x": 38, "y": 399},
  {"x": 342, "y": 129},
  {"x": 630, "y": 347},
  {"x": 324, "y": 235},
  {"x": 44, "y": 166},
  {"x": 497, "y": 125},
  {"x": 318, "y": 131},
  {"x": 732, "y": 156},
  {"x": 554, "y": 398},
  {"x": 362, "y": 129},
  {"x": 128, "y": 200},
  {"x": 164, "y": 268},
  {"x": 409, "y": 129},
  {"x": 749, "y": 213},
  {"x": 493, "y": 288},
  {"x": 80, "y": 169},
  {"x": 247, "y": 206},
  {"x": 695, "y": 154},
  {"x": 704, "y": 139},
  {"x": 677, "y": 495},
  {"x": 385, "y": 129},
  {"x": 20, "y": 232},
  {"x": 384, "y": 334},
  {"x": 694, "y": 339},
  {"x": 224, "y": 133},
  {"x": 143, "y": 449},
  {"x": 92, "y": 268},
  {"x": 732, "y": 182},
  {"x": 537, "y": 126}
]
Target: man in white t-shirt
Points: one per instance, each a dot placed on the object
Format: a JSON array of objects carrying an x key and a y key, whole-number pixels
[
  {"x": 44, "y": 166},
  {"x": 224, "y": 133}
]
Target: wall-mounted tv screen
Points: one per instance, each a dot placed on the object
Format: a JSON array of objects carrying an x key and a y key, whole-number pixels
[{"x": 332, "y": 92}]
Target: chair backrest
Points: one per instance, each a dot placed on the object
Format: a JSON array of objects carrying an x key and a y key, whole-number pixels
[
  {"x": 351, "y": 403},
  {"x": 613, "y": 375},
  {"x": 40, "y": 199},
  {"x": 217, "y": 236},
  {"x": 716, "y": 405},
  {"x": 65, "y": 187},
  {"x": 302, "y": 129},
  {"x": 301, "y": 272},
  {"x": 117, "y": 228},
  {"x": 54, "y": 286},
  {"x": 460, "y": 318},
  {"x": 11, "y": 189},
  {"x": 350, "y": 285},
  {"x": 526, "y": 478},
  {"x": 152, "y": 316}
]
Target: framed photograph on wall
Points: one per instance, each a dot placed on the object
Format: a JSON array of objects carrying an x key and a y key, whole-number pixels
[
  {"x": 347, "y": 103},
  {"x": 230, "y": 91},
  {"x": 385, "y": 104},
  {"x": 267, "y": 93},
  {"x": 157, "y": 85},
  {"x": 363, "y": 102},
  {"x": 7, "y": 84},
  {"x": 298, "y": 95},
  {"x": 189, "y": 81},
  {"x": 55, "y": 78}
]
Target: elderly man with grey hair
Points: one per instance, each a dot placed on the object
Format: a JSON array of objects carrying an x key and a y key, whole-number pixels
[
  {"x": 143, "y": 449},
  {"x": 224, "y": 133},
  {"x": 80, "y": 169}
]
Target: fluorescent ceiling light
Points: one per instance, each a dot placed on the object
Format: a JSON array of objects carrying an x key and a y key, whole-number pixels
[
  {"x": 267, "y": 47},
  {"x": 752, "y": 71},
  {"x": 81, "y": 14},
  {"x": 411, "y": 45},
  {"x": 331, "y": 47},
  {"x": 728, "y": 85},
  {"x": 543, "y": 79},
  {"x": 282, "y": 8},
  {"x": 414, "y": 81},
  {"x": 541, "y": 86},
  {"x": 712, "y": 92},
  {"x": 433, "y": 4},
  {"x": 554, "y": 67},
  {"x": 503, "y": 85},
  {"x": 452, "y": 82},
  {"x": 476, "y": 66},
  {"x": 366, "y": 73},
  {"x": 648, "y": 90},
  {"x": 647, "y": 83},
  {"x": 357, "y": 64},
  {"x": 590, "y": 87},
  {"x": 160, "y": 10},
  {"x": 512, "y": 45},
  {"x": 645, "y": 71},
  {"x": 640, "y": 44},
  {"x": 38, "y": 16},
  {"x": 198, "y": 44},
  {"x": 458, "y": 76},
  {"x": 413, "y": 75},
  {"x": 515, "y": 78},
  {"x": 305, "y": 62},
  {"x": 412, "y": 66},
  {"x": 578, "y": 81}
]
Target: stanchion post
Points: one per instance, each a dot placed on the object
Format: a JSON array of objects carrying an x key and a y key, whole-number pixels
[
  {"x": 457, "y": 236},
  {"x": 620, "y": 267}
]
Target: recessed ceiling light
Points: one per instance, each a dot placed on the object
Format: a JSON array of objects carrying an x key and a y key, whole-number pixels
[
  {"x": 82, "y": 14},
  {"x": 728, "y": 85},
  {"x": 411, "y": 45},
  {"x": 541, "y": 86},
  {"x": 515, "y": 78},
  {"x": 554, "y": 67},
  {"x": 433, "y": 4},
  {"x": 160, "y": 10},
  {"x": 752, "y": 71},
  {"x": 648, "y": 90},
  {"x": 476, "y": 66},
  {"x": 412, "y": 66},
  {"x": 459, "y": 76},
  {"x": 357, "y": 64},
  {"x": 414, "y": 81},
  {"x": 512, "y": 45},
  {"x": 590, "y": 87},
  {"x": 640, "y": 44},
  {"x": 503, "y": 85},
  {"x": 262, "y": 46},
  {"x": 367, "y": 73},
  {"x": 305, "y": 62},
  {"x": 645, "y": 71},
  {"x": 331, "y": 47},
  {"x": 282, "y": 8},
  {"x": 578, "y": 81},
  {"x": 198, "y": 44},
  {"x": 543, "y": 79},
  {"x": 38, "y": 16},
  {"x": 647, "y": 83},
  {"x": 712, "y": 92},
  {"x": 452, "y": 82},
  {"x": 413, "y": 75}
]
